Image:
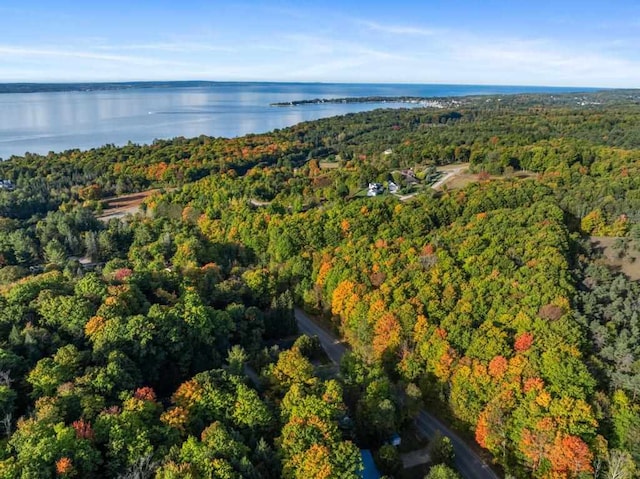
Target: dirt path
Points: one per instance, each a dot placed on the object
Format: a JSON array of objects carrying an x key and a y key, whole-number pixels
[
  {"x": 449, "y": 174},
  {"x": 259, "y": 203},
  {"x": 120, "y": 206}
]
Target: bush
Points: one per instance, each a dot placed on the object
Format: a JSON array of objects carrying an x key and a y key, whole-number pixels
[
  {"x": 389, "y": 460},
  {"x": 309, "y": 346},
  {"x": 9, "y": 274},
  {"x": 441, "y": 472},
  {"x": 441, "y": 450}
]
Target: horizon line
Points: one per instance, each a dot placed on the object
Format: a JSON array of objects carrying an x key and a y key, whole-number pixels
[{"x": 305, "y": 82}]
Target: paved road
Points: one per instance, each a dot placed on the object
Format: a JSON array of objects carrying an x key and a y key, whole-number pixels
[
  {"x": 467, "y": 461},
  {"x": 334, "y": 348}
]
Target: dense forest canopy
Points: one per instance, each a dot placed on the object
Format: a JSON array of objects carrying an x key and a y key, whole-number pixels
[{"x": 163, "y": 344}]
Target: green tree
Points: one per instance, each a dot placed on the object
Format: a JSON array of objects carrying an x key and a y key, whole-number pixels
[
  {"x": 54, "y": 252},
  {"x": 441, "y": 450},
  {"x": 441, "y": 471}
]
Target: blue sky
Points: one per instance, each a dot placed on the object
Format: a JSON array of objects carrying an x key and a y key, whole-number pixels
[{"x": 572, "y": 43}]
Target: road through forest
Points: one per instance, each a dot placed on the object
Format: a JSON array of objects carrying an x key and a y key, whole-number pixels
[{"x": 468, "y": 463}]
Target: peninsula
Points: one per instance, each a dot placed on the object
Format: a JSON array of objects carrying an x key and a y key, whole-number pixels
[{"x": 416, "y": 100}]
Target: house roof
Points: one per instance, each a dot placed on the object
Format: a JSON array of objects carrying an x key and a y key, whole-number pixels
[{"x": 370, "y": 470}]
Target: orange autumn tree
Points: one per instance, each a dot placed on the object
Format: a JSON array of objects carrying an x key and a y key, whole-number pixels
[
  {"x": 325, "y": 267},
  {"x": 344, "y": 299},
  {"x": 498, "y": 366},
  {"x": 491, "y": 430},
  {"x": 313, "y": 463},
  {"x": 387, "y": 333},
  {"x": 64, "y": 467},
  {"x": 570, "y": 456},
  {"x": 482, "y": 430},
  {"x": 188, "y": 394},
  {"x": 536, "y": 443},
  {"x": 176, "y": 417}
]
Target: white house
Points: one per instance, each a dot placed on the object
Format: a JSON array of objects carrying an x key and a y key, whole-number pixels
[
  {"x": 375, "y": 189},
  {"x": 7, "y": 185}
]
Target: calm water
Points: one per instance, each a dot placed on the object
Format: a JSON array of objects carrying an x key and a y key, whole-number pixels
[{"x": 43, "y": 122}]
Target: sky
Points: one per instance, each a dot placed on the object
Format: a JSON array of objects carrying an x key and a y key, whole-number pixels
[{"x": 517, "y": 42}]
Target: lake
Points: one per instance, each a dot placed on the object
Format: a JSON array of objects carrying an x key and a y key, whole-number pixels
[{"x": 57, "y": 121}]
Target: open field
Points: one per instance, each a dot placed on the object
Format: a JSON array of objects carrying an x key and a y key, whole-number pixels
[
  {"x": 463, "y": 177},
  {"x": 329, "y": 165},
  {"x": 628, "y": 264}
]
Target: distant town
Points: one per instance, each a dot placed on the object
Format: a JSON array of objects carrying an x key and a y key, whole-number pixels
[{"x": 416, "y": 100}]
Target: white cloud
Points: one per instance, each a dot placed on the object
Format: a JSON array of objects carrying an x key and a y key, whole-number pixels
[
  {"x": 400, "y": 29},
  {"x": 21, "y": 52},
  {"x": 373, "y": 52},
  {"x": 314, "y": 45},
  {"x": 545, "y": 62},
  {"x": 174, "y": 47}
]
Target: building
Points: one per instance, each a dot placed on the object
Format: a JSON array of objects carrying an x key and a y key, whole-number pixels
[
  {"x": 393, "y": 188},
  {"x": 7, "y": 185},
  {"x": 375, "y": 189}
]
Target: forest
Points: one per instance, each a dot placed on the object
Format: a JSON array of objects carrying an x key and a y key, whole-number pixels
[{"x": 164, "y": 344}]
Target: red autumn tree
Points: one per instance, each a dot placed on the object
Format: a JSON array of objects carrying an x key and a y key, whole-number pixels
[
  {"x": 523, "y": 342},
  {"x": 83, "y": 429},
  {"x": 122, "y": 274},
  {"x": 145, "y": 394}
]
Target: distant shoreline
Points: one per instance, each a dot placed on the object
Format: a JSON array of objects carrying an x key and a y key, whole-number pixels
[
  {"x": 8, "y": 88},
  {"x": 415, "y": 100},
  {"x": 43, "y": 87},
  {"x": 91, "y": 115}
]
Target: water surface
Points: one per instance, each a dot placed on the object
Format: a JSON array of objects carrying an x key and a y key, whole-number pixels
[{"x": 57, "y": 121}]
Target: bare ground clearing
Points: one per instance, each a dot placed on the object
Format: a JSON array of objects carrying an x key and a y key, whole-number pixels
[
  {"x": 629, "y": 264},
  {"x": 119, "y": 206}
]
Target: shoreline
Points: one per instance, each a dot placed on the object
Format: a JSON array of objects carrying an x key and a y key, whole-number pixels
[
  {"x": 91, "y": 86},
  {"x": 413, "y": 100}
]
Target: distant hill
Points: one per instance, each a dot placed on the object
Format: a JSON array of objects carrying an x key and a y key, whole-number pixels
[{"x": 54, "y": 87}]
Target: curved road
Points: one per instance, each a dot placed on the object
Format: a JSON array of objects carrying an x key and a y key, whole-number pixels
[{"x": 467, "y": 461}]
